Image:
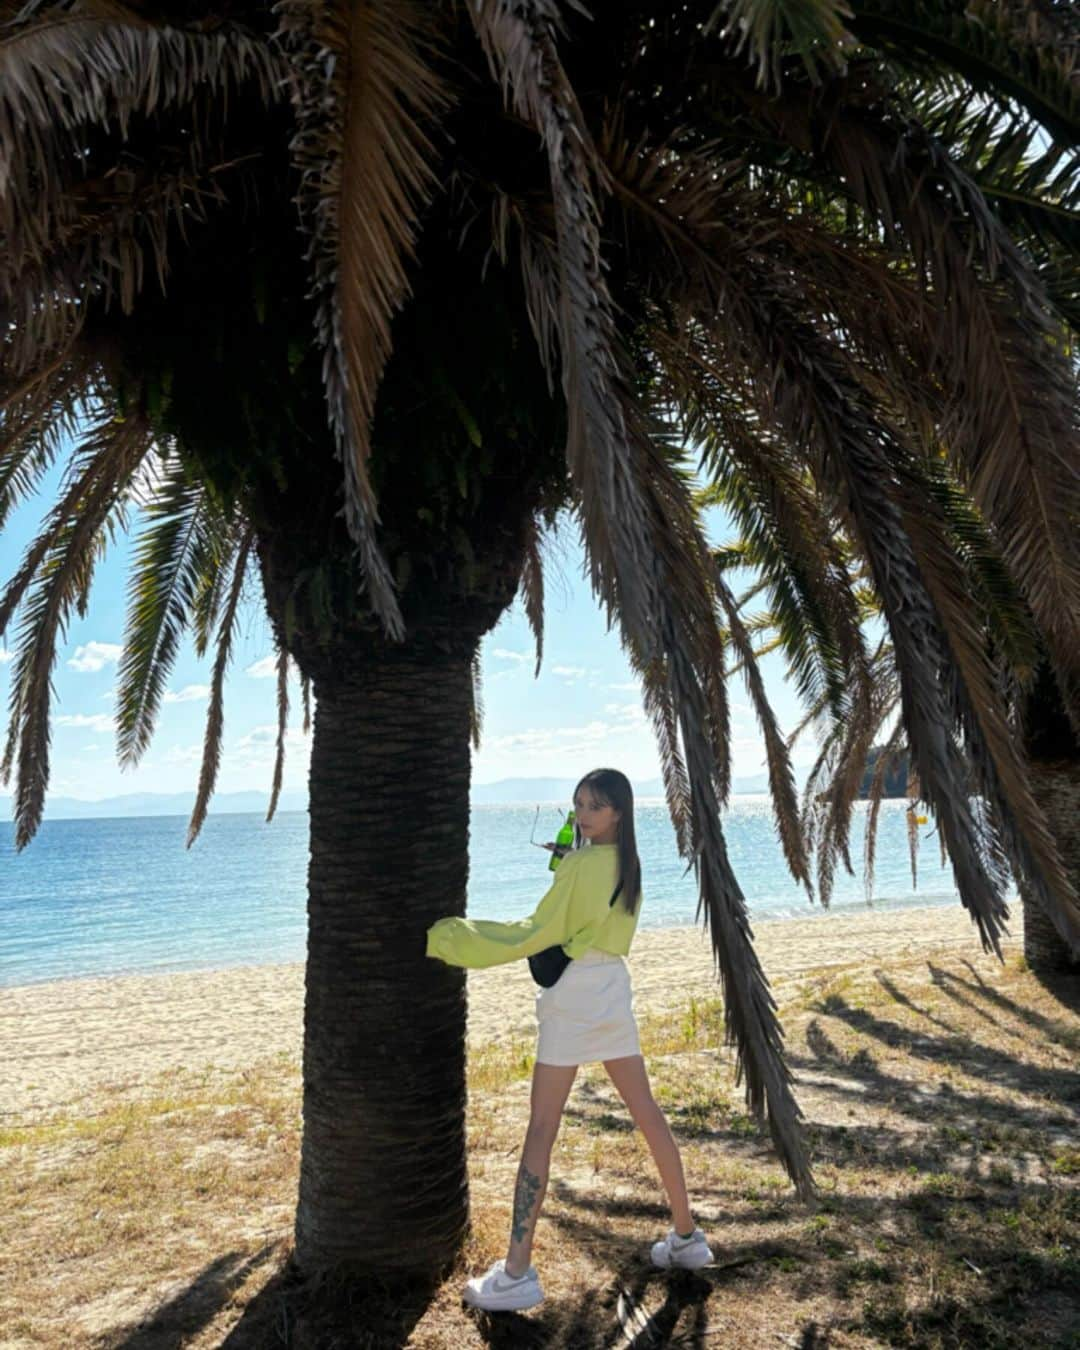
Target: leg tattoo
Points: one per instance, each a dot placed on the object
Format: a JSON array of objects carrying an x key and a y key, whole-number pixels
[{"x": 528, "y": 1183}]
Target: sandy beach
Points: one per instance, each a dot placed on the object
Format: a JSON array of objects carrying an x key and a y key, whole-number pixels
[{"x": 64, "y": 1039}]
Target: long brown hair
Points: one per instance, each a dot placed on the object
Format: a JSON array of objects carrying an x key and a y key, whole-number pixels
[{"x": 612, "y": 788}]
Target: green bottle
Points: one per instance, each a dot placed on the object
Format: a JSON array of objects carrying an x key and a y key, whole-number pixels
[{"x": 564, "y": 839}]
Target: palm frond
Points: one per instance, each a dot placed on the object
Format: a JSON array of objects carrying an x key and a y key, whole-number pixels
[
  {"x": 305, "y": 694},
  {"x": 532, "y": 587},
  {"x": 215, "y": 718},
  {"x": 38, "y": 414},
  {"x": 781, "y": 774},
  {"x": 1005, "y": 50},
  {"x": 363, "y": 89},
  {"x": 648, "y": 562},
  {"x": 282, "y": 669},
  {"x": 58, "y": 565},
  {"x": 102, "y": 251},
  {"x": 888, "y": 756},
  {"x": 476, "y": 705},
  {"x": 174, "y": 557},
  {"x": 812, "y": 30}
]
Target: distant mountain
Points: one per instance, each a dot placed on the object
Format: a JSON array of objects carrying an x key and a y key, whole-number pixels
[
  {"x": 501, "y": 793},
  {"x": 508, "y": 790},
  {"x": 161, "y": 804}
]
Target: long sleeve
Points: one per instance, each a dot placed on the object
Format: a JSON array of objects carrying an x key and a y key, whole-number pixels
[{"x": 477, "y": 943}]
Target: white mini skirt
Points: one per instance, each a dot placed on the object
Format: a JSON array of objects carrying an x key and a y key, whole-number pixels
[{"x": 588, "y": 1013}]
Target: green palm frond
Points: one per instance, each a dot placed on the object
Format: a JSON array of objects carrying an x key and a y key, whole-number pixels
[
  {"x": 215, "y": 715},
  {"x": 53, "y": 580},
  {"x": 177, "y": 556},
  {"x": 282, "y": 673},
  {"x": 992, "y": 45},
  {"x": 37, "y": 416}
]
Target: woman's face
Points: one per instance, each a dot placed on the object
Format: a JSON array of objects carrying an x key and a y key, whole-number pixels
[{"x": 598, "y": 821}]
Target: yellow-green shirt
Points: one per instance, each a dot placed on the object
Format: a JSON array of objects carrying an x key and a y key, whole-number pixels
[{"x": 574, "y": 914}]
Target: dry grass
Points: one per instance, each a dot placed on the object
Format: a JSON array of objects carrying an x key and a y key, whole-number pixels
[{"x": 941, "y": 1107}]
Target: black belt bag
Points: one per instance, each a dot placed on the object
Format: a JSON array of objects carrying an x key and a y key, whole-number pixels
[{"x": 548, "y": 965}]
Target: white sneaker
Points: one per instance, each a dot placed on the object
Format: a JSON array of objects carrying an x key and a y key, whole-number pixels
[
  {"x": 691, "y": 1253},
  {"x": 498, "y": 1292}
]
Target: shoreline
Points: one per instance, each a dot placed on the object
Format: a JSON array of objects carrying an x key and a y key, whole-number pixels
[
  {"x": 883, "y": 905},
  {"x": 63, "y": 1039}
]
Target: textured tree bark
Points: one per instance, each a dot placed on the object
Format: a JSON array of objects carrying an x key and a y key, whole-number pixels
[
  {"x": 1056, "y": 787},
  {"x": 383, "y": 1184}
]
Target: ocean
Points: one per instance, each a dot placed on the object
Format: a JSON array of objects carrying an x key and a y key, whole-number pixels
[{"x": 123, "y": 895}]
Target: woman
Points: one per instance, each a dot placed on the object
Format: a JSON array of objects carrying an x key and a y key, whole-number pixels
[{"x": 586, "y": 1016}]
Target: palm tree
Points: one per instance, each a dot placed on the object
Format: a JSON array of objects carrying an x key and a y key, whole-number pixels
[{"x": 420, "y": 277}]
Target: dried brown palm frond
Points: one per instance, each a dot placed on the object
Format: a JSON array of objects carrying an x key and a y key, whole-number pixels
[
  {"x": 770, "y": 29},
  {"x": 649, "y": 564},
  {"x": 67, "y": 69},
  {"x": 366, "y": 95},
  {"x": 109, "y": 240},
  {"x": 215, "y": 717},
  {"x": 52, "y": 581},
  {"x": 282, "y": 672}
]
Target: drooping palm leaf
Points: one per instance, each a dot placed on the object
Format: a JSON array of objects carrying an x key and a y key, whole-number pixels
[
  {"x": 56, "y": 564},
  {"x": 365, "y": 95},
  {"x": 648, "y": 562},
  {"x": 176, "y": 554},
  {"x": 282, "y": 674},
  {"x": 215, "y": 715}
]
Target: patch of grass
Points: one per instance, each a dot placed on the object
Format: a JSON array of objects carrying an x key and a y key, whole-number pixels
[{"x": 943, "y": 1219}]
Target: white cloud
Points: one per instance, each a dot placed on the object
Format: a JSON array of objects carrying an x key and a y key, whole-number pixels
[
  {"x": 630, "y": 684},
  {"x": 188, "y": 694},
  {"x": 505, "y": 655},
  {"x": 263, "y": 669},
  {"x": 6, "y": 656},
  {"x": 632, "y": 712},
  {"x": 266, "y": 735},
  {"x": 94, "y": 656},
  {"x": 99, "y": 721},
  {"x": 574, "y": 671},
  {"x": 184, "y": 754}
]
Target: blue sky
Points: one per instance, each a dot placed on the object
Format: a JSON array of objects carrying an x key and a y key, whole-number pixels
[{"x": 584, "y": 709}]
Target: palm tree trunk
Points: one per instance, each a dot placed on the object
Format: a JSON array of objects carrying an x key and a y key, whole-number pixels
[
  {"x": 1056, "y": 788},
  {"x": 383, "y": 1183}
]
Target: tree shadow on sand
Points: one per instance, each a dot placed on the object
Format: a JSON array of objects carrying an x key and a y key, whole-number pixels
[{"x": 967, "y": 1238}]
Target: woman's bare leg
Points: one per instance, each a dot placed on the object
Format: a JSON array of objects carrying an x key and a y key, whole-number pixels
[
  {"x": 632, "y": 1084},
  {"x": 551, "y": 1086}
]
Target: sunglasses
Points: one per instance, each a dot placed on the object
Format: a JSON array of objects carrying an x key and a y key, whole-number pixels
[{"x": 532, "y": 837}]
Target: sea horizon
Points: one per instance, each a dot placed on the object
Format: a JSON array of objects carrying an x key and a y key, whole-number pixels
[{"x": 119, "y": 895}]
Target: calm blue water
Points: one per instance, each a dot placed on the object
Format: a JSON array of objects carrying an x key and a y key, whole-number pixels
[{"x": 106, "y": 897}]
